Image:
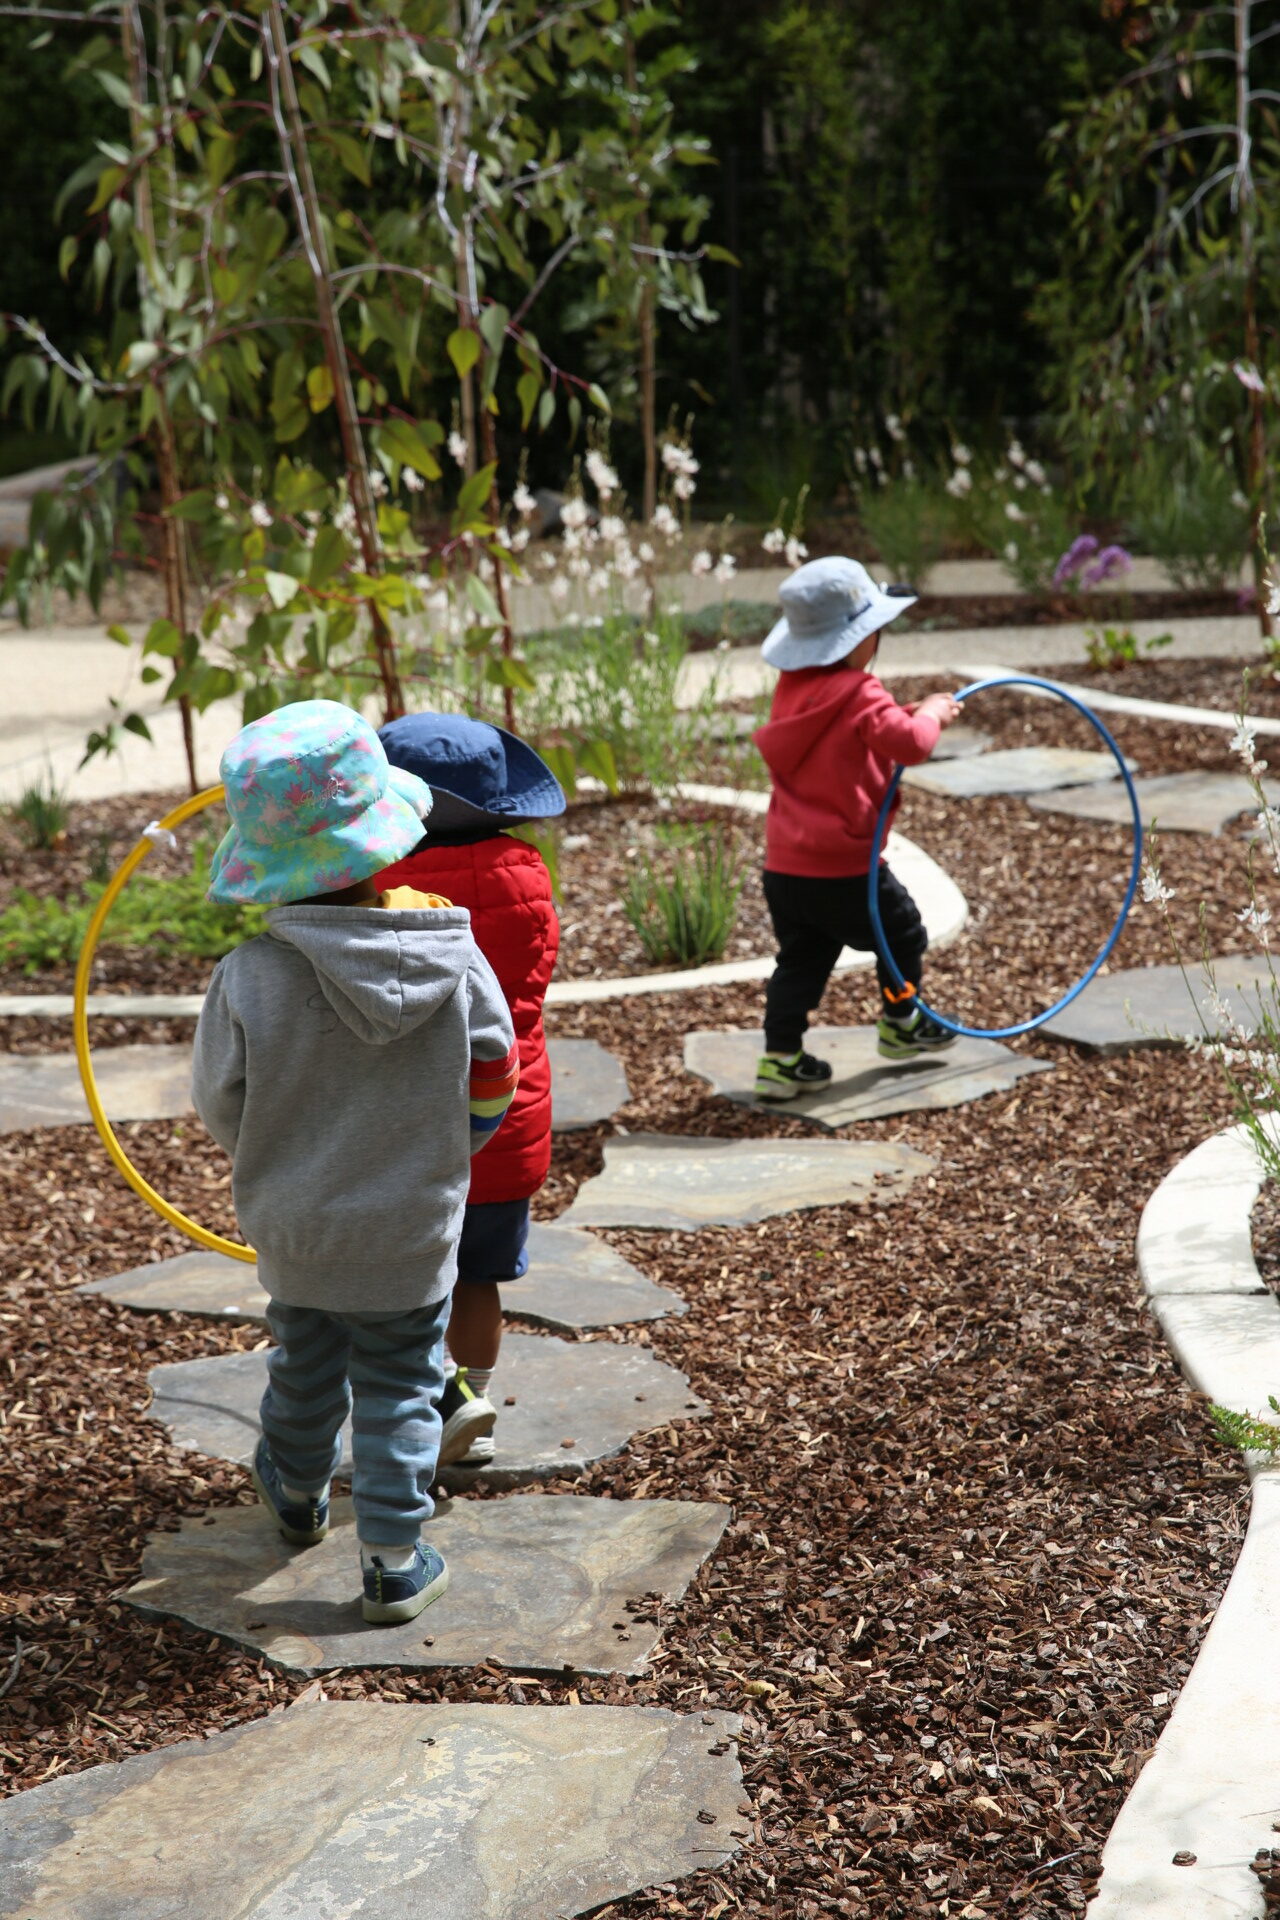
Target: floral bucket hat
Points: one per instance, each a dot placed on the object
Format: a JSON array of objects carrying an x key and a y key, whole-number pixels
[
  {"x": 315, "y": 806},
  {"x": 829, "y": 607}
]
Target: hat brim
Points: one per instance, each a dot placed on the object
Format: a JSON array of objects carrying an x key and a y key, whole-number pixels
[
  {"x": 788, "y": 651},
  {"x": 245, "y": 873},
  {"x": 532, "y": 791}
]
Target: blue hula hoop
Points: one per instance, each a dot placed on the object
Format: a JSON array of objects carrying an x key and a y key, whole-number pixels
[{"x": 873, "y": 889}]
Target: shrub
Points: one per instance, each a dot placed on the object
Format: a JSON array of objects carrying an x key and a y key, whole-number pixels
[
  {"x": 38, "y": 932},
  {"x": 43, "y": 811},
  {"x": 686, "y": 917},
  {"x": 909, "y": 520},
  {"x": 1188, "y": 513}
]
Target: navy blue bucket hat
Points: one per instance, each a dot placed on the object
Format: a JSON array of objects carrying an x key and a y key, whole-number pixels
[{"x": 479, "y": 775}]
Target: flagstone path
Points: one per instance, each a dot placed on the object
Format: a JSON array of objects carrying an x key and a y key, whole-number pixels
[
  {"x": 537, "y": 1583},
  {"x": 575, "y": 1283},
  {"x": 337, "y": 1808},
  {"x": 562, "y": 1406},
  {"x": 1012, "y": 770},
  {"x": 664, "y": 1180},
  {"x": 1162, "y": 1006},
  {"x": 1170, "y": 802},
  {"x": 588, "y": 1085},
  {"x": 862, "y": 1086}
]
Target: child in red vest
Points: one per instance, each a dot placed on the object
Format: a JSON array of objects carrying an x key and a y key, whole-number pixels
[
  {"x": 484, "y": 780},
  {"x": 832, "y": 740}
]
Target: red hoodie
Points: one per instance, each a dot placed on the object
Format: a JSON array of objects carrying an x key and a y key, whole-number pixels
[
  {"x": 832, "y": 740},
  {"x": 508, "y": 891}
]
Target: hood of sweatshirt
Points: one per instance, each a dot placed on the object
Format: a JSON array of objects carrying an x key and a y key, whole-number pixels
[
  {"x": 383, "y": 971},
  {"x": 805, "y": 703}
]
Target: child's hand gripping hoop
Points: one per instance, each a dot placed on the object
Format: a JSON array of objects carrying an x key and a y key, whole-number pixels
[
  {"x": 873, "y": 890},
  {"x": 115, "y": 886}
]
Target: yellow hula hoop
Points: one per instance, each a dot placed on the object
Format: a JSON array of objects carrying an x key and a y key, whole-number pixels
[{"x": 115, "y": 886}]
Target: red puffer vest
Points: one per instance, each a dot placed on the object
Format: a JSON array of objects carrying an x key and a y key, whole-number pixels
[{"x": 507, "y": 890}]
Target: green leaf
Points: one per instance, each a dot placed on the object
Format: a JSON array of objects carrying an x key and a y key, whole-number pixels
[
  {"x": 409, "y": 442},
  {"x": 354, "y": 156},
  {"x": 546, "y": 409},
  {"x": 504, "y": 670},
  {"x": 527, "y": 389},
  {"x": 482, "y": 599},
  {"x": 197, "y": 506},
  {"x": 473, "y": 497},
  {"x": 328, "y": 557},
  {"x": 311, "y": 60},
  {"x": 595, "y": 757},
  {"x": 599, "y": 398},
  {"x": 110, "y": 181},
  {"x": 134, "y": 723},
  {"x": 150, "y": 675},
  {"x": 493, "y": 325},
  {"x": 162, "y": 637},
  {"x": 290, "y": 416},
  {"x": 281, "y": 588},
  {"x": 561, "y": 762},
  {"x": 66, "y": 255},
  {"x": 463, "y": 348},
  {"x": 320, "y": 388},
  {"x": 121, "y": 636}
]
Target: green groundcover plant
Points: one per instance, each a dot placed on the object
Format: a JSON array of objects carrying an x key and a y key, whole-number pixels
[{"x": 685, "y": 917}]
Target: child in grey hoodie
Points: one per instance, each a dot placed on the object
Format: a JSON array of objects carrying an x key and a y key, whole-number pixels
[{"x": 358, "y": 1050}]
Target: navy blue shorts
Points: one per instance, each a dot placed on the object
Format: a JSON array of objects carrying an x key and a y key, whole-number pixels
[{"x": 494, "y": 1241}]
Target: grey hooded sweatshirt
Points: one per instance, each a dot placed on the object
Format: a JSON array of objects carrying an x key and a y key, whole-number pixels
[{"x": 333, "y": 1061}]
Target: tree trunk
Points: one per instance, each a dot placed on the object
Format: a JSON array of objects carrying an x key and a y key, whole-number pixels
[
  {"x": 292, "y": 135},
  {"x": 500, "y": 574},
  {"x": 1256, "y": 454}
]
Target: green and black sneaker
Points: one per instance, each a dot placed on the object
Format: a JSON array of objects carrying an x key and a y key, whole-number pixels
[
  {"x": 783, "y": 1079},
  {"x": 466, "y": 1417},
  {"x": 907, "y": 1038}
]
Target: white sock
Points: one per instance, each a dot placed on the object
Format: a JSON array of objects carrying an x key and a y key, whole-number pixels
[
  {"x": 297, "y": 1497},
  {"x": 394, "y": 1559},
  {"x": 478, "y": 1379}
]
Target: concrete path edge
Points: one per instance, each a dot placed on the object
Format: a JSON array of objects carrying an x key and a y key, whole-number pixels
[{"x": 1211, "y": 1788}]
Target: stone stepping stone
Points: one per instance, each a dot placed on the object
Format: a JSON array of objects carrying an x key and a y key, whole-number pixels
[
  {"x": 1172, "y": 802},
  {"x": 863, "y": 1086},
  {"x": 345, "y": 1807},
  {"x": 575, "y": 1283},
  {"x": 540, "y": 1583},
  {"x": 574, "y": 1404},
  {"x": 665, "y": 1180},
  {"x": 1012, "y": 770},
  {"x": 136, "y": 1083},
  {"x": 960, "y": 743},
  {"x": 588, "y": 1084},
  {"x": 1157, "y": 1006}
]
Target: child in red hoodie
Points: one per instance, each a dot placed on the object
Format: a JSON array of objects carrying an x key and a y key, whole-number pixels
[
  {"x": 484, "y": 780},
  {"x": 831, "y": 742}
]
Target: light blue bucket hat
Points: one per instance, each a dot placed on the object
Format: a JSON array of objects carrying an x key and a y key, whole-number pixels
[
  {"x": 315, "y": 806},
  {"x": 828, "y": 608}
]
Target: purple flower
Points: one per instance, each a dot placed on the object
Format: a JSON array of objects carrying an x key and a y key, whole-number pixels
[
  {"x": 1110, "y": 563},
  {"x": 1074, "y": 558}
]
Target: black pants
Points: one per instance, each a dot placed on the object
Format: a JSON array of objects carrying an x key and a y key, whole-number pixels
[{"x": 813, "y": 920}]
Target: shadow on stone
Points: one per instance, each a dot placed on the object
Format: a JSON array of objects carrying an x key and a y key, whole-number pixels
[
  {"x": 574, "y": 1404},
  {"x": 344, "y": 1807},
  {"x": 538, "y": 1582},
  {"x": 863, "y": 1086}
]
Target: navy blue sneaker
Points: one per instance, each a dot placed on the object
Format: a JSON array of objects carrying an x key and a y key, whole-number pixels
[
  {"x": 302, "y": 1526},
  {"x": 391, "y": 1594}
]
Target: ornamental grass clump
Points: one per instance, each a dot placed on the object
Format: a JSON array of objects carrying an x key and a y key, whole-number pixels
[
  {"x": 685, "y": 917},
  {"x": 43, "y": 811}
]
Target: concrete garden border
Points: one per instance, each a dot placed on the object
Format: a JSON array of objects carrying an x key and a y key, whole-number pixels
[
  {"x": 943, "y": 906},
  {"x": 1211, "y": 1789}
]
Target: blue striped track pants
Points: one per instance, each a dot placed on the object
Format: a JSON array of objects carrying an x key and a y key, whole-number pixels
[{"x": 387, "y": 1371}]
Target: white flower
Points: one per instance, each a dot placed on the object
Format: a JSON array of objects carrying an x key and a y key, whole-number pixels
[
  {"x": 664, "y": 522},
  {"x": 260, "y": 514},
  {"x": 520, "y": 539},
  {"x": 960, "y": 483},
  {"x": 893, "y": 427},
  {"x": 1011, "y": 551},
  {"x": 860, "y": 459},
  {"x": 523, "y": 501},
  {"x": 377, "y": 482},
  {"x": 575, "y": 513},
  {"x": 1243, "y": 739},
  {"x": 1034, "y": 472},
  {"x": 1012, "y": 511},
  {"x": 775, "y": 540},
  {"x": 502, "y": 537},
  {"x": 877, "y": 459},
  {"x": 678, "y": 459},
  {"x": 701, "y": 562},
  {"x": 577, "y": 566},
  {"x": 1015, "y": 454},
  {"x": 908, "y": 469},
  {"x": 625, "y": 563},
  {"x": 601, "y": 580},
  {"x": 612, "y": 528},
  {"x": 1239, "y": 500},
  {"x": 344, "y": 518},
  {"x": 961, "y": 454},
  {"x": 1019, "y": 481},
  {"x": 684, "y": 486},
  {"x": 795, "y": 551},
  {"x": 1273, "y": 596},
  {"x": 1255, "y": 920},
  {"x": 575, "y": 842},
  {"x": 221, "y": 502},
  {"x": 1154, "y": 889},
  {"x": 559, "y": 589},
  {"x": 601, "y": 474},
  {"x": 645, "y": 554},
  {"x": 726, "y": 567},
  {"x": 412, "y": 479},
  {"x": 458, "y": 448}
]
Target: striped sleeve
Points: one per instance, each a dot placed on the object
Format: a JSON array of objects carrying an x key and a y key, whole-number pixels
[{"x": 493, "y": 1088}]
